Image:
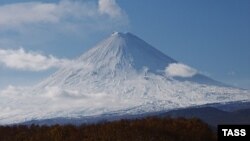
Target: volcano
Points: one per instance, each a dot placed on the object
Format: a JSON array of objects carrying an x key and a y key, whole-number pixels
[
  {"x": 120, "y": 56},
  {"x": 122, "y": 75}
]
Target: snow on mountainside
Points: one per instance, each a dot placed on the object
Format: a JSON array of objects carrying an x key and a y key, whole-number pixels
[{"x": 123, "y": 75}]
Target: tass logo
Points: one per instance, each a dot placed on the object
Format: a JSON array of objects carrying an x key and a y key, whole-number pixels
[{"x": 236, "y": 132}]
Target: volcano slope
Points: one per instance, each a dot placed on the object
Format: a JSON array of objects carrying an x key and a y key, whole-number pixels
[{"x": 121, "y": 76}]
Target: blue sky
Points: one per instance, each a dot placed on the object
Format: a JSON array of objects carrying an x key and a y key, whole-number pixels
[{"x": 212, "y": 36}]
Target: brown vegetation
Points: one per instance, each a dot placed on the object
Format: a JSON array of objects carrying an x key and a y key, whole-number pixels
[{"x": 148, "y": 129}]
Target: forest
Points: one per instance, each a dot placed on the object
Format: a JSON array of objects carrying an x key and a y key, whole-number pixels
[{"x": 147, "y": 129}]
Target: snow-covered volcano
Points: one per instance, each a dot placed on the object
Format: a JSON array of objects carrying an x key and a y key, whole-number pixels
[
  {"x": 120, "y": 56},
  {"x": 124, "y": 75}
]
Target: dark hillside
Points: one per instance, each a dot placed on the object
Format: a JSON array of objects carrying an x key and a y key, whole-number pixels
[{"x": 148, "y": 129}]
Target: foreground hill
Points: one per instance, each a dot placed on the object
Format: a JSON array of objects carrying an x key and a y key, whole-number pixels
[{"x": 148, "y": 129}]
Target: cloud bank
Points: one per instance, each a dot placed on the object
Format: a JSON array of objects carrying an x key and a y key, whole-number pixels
[
  {"x": 31, "y": 61},
  {"x": 18, "y": 15},
  {"x": 179, "y": 70}
]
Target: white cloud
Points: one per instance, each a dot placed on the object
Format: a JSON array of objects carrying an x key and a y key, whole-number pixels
[
  {"x": 24, "y": 13},
  {"x": 179, "y": 70},
  {"x": 31, "y": 61},
  {"x": 110, "y": 8},
  {"x": 11, "y": 90},
  {"x": 65, "y": 11}
]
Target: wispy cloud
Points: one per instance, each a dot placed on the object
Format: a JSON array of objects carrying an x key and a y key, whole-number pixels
[
  {"x": 65, "y": 11},
  {"x": 110, "y": 8},
  {"x": 31, "y": 61},
  {"x": 13, "y": 91},
  {"x": 179, "y": 70},
  {"x": 24, "y": 13}
]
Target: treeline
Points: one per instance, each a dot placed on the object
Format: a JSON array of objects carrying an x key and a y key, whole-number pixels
[{"x": 148, "y": 129}]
